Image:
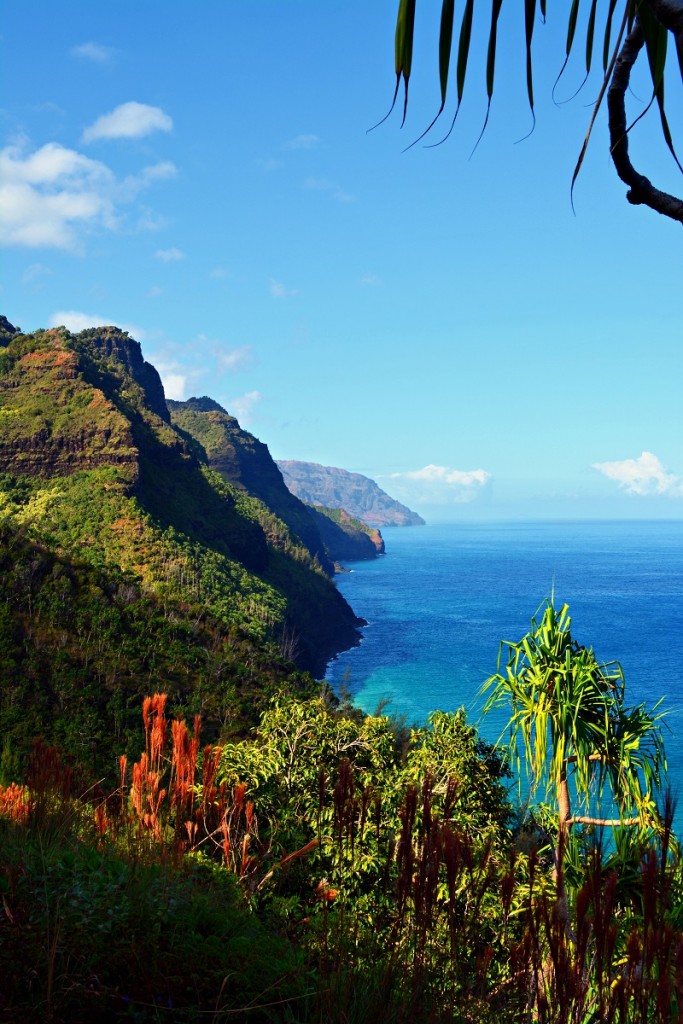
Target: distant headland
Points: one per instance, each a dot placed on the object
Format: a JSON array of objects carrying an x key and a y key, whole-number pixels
[{"x": 360, "y": 496}]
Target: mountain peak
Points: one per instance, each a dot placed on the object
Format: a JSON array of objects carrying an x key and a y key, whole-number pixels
[
  {"x": 114, "y": 344},
  {"x": 7, "y": 330},
  {"x": 204, "y": 404}
]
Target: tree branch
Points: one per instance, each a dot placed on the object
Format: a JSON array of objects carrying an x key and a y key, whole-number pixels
[
  {"x": 573, "y": 758},
  {"x": 641, "y": 190},
  {"x": 669, "y": 13},
  {"x": 583, "y": 819}
]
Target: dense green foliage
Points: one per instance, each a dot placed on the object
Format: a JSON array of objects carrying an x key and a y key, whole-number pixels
[
  {"x": 126, "y": 559},
  {"x": 577, "y": 732},
  {"x": 105, "y": 911},
  {"x": 96, "y": 931},
  {"x": 81, "y": 643},
  {"x": 326, "y": 869}
]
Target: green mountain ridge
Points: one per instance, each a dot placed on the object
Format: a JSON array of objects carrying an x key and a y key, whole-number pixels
[
  {"x": 245, "y": 463},
  {"x": 129, "y": 563}
]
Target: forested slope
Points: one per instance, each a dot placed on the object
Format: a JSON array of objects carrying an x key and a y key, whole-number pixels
[{"x": 128, "y": 563}]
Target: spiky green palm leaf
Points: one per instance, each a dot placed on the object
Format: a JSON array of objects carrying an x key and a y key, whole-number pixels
[
  {"x": 656, "y": 19},
  {"x": 568, "y": 716}
]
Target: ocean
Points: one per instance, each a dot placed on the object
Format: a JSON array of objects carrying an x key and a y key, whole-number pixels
[{"x": 444, "y": 596}]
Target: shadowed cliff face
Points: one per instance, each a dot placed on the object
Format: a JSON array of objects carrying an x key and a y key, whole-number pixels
[
  {"x": 355, "y": 493},
  {"x": 115, "y": 347},
  {"x": 7, "y": 330},
  {"x": 245, "y": 462},
  {"x": 346, "y": 538}
]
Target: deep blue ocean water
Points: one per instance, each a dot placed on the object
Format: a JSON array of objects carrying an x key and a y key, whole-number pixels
[{"x": 444, "y": 596}]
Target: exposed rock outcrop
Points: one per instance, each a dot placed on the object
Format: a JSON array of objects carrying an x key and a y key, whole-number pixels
[
  {"x": 115, "y": 345},
  {"x": 54, "y": 421},
  {"x": 7, "y": 330}
]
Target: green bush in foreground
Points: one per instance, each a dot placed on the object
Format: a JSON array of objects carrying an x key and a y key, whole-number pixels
[{"x": 322, "y": 871}]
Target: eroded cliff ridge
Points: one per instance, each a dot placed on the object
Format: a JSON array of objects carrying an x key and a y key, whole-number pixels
[
  {"x": 360, "y": 496},
  {"x": 245, "y": 462}
]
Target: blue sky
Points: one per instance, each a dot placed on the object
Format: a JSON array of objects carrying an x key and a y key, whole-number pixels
[{"x": 202, "y": 176}]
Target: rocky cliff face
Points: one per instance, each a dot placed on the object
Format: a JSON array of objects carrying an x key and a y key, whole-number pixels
[
  {"x": 116, "y": 348},
  {"x": 7, "y": 330},
  {"x": 337, "y": 488},
  {"x": 55, "y": 421},
  {"x": 245, "y": 462}
]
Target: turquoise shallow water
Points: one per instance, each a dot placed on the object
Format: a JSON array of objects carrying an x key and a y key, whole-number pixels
[{"x": 443, "y": 597}]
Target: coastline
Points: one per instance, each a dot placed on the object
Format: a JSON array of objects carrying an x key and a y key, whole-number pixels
[{"x": 438, "y": 609}]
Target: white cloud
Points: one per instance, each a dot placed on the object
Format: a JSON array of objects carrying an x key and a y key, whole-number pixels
[
  {"x": 130, "y": 187},
  {"x": 268, "y": 164},
  {"x": 154, "y": 292},
  {"x": 46, "y": 196},
  {"x": 331, "y": 187},
  {"x": 175, "y": 384},
  {"x": 149, "y": 220},
  {"x": 129, "y": 121},
  {"x": 439, "y": 485},
  {"x": 169, "y": 255},
  {"x": 50, "y": 165},
  {"x": 236, "y": 359},
  {"x": 370, "y": 280},
  {"x": 134, "y": 183},
  {"x": 95, "y": 52},
  {"x": 51, "y": 197},
  {"x": 74, "y": 320},
  {"x": 444, "y": 475},
  {"x": 177, "y": 377},
  {"x": 48, "y": 107},
  {"x": 319, "y": 184},
  {"x": 303, "y": 142},
  {"x": 642, "y": 476},
  {"x": 279, "y": 291},
  {"x": 227, "y": 360},
  {"x": 242, "y": 406}
]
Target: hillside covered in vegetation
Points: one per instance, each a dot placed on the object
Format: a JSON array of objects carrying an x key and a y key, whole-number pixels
[
  {"x": 245, "y": 463},
  {"x": 127, "y": 559}
]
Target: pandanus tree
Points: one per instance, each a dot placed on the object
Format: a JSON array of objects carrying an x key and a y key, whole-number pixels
[
  {"x": 580, "y": 741},
  {"x": 631, "y": 30}
]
